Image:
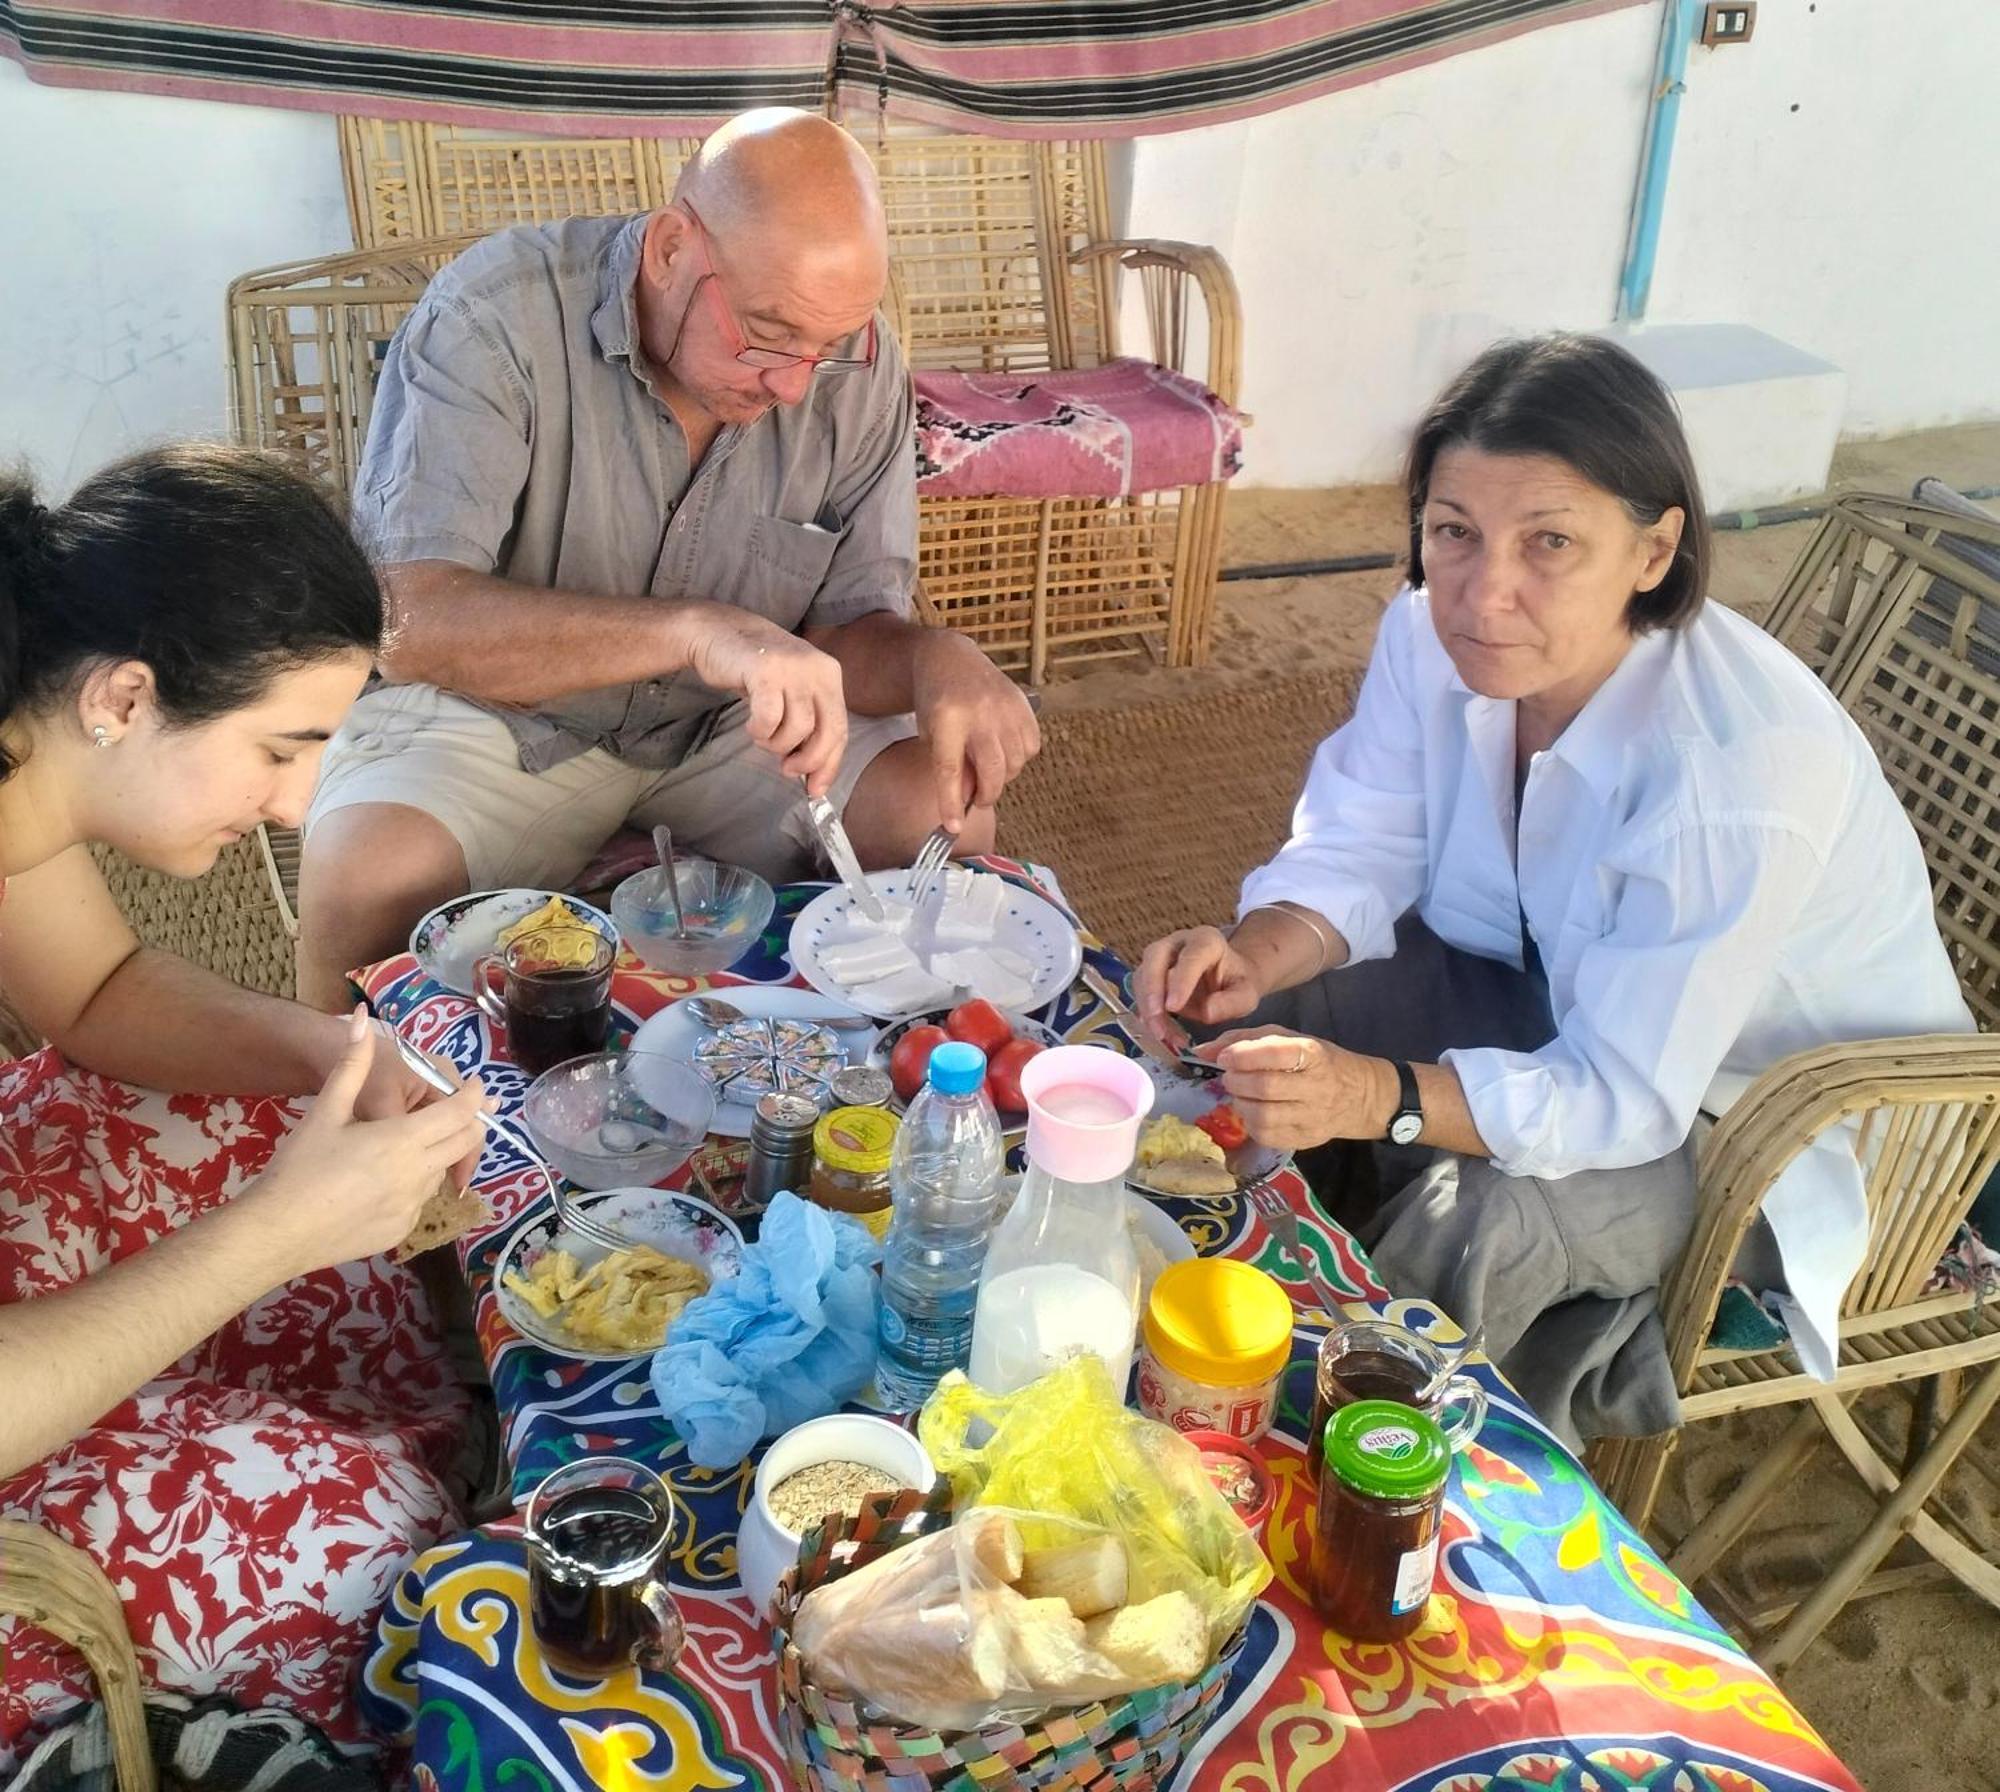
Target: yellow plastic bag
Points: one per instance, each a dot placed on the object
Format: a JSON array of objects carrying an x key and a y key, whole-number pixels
[{"x": 1066, "y": 1445}]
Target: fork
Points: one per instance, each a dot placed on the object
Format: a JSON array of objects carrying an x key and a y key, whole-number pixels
[
  {"x": 929, "y": 864},
  {"x": 1283, "y": 1225},
  {"x": 572, "y": 1217}
]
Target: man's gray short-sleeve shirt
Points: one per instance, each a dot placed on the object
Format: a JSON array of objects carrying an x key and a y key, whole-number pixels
[{"x": 514, "y": 432}]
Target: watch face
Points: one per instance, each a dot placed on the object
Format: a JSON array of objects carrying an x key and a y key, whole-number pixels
[{"x": 1404, "y": 1129}]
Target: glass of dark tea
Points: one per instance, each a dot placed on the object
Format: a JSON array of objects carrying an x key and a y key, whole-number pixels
[
  {"x": 554, "y": 996},
  {"x": 597, "y": 1530},
  {"x": 1376, "y": 1359}
]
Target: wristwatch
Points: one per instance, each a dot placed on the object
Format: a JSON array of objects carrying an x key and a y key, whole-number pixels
[{"x": 1406, "y": 1124}]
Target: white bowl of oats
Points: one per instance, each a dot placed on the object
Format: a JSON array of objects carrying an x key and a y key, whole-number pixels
[{"x": 825, "y": 1465}]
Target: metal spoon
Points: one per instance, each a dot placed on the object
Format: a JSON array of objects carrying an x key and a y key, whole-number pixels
[
  {"x": 1454, "y": 1360},
  {"x": 713, "y": 1011},
  {"x": 663, "y": 844}
]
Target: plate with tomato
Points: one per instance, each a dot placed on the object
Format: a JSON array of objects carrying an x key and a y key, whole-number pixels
[
  {"x": 1009, "y": 1040},
  {"x": 1202, "y": 1102}
]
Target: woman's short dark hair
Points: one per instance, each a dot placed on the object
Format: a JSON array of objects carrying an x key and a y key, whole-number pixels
[
  {"x": 218, "y": 567},
  {"x": 1595, "y": 407}
]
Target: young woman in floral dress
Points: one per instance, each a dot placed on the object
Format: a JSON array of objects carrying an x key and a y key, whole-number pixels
[{"x": 215, "y": 1383}]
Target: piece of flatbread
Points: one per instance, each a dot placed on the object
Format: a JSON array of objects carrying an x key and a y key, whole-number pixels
[
  {"x": 1186, "y": 1176},
  {"x": 450, "y": 1213}
]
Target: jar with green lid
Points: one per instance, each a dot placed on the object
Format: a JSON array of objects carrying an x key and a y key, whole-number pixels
[
  {"x": 1381, "y": 1507},
  {"x": 851, "y": 1151}
]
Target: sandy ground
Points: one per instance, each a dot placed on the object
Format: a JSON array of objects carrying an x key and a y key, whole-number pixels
[{"x": 1906, "y": 1685}]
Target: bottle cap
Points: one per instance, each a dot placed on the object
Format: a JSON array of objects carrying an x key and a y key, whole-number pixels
[
  {"x": 957, "y": 1068},
  {"x": 1220, "y": 1322},
  {"x": 856, "y": 1141},
  {"x": 1386, "y": 1449},
  {"x": 1085, "y": 1103}
]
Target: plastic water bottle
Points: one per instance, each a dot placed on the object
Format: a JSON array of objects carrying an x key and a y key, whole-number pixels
[{"x": 944, "y": 1181}]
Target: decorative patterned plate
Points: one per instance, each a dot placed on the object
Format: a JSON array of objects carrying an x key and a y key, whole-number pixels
[{"x": 455, "y": 935}]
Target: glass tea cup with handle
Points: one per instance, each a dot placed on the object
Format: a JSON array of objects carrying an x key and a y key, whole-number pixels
[
  {"x": 1376, "y": 1359},
  {"x": 549, "y": 992},
  {"x": 597, "y": 1532}
]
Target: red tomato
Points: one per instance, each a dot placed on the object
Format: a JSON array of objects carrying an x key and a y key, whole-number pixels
[
  {"x": 1225, "y": 1126},
  {"x": 1003, "y": 1077},
  {"x": 910, "y": 1061},
  {"x": 979, "y": 1023}
]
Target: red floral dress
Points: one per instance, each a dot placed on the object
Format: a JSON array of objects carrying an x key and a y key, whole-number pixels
[{"x": 254, "y": 1504}]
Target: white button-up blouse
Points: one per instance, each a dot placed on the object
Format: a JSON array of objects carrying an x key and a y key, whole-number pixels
[{"x": 1715, "y": 874}]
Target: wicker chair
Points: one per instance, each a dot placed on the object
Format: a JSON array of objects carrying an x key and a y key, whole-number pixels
[
  {"x": 1904, "y": 629},
  {"x": 61, "y": 1590},
  {"x": 1001, "y": 263}
]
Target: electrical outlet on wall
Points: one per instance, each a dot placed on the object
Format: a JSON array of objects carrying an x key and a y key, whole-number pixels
[{"x": 1728, "y": 22}]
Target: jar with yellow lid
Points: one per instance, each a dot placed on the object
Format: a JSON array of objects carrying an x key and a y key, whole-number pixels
[
  {"x": 1216, "y": 1338},
  {"x": 850, "y": 1174}
]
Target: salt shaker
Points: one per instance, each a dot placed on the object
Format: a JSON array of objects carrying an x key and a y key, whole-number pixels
[{"x": 781, "y": 1148}]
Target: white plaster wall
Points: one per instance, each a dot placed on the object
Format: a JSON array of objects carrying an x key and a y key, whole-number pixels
[
  {"x": 1834, "y": 183},
  {"x": 122, "y": 220},
  {"x": 1382, "y": 236}
]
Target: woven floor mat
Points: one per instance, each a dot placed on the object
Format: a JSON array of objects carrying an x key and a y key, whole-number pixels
[
  {"x": 226, "y": 920},
  {"x": 1151, "y": 817}
]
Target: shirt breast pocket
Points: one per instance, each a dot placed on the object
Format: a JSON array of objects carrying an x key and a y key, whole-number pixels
[{"x": 785, "y": 567}]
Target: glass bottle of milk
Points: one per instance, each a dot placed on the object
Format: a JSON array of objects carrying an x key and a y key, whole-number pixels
[{"x": 1061, "y": 1275}]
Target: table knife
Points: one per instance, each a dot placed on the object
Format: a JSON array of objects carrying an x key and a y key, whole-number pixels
[{"x": 840, "y": 855}]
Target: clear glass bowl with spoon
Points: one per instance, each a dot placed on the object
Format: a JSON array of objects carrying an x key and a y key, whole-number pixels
[
  {"x": 726, "y": 907},
  {"x": 589, "y": 1119}
]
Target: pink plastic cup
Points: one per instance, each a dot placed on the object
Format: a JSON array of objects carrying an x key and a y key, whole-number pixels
[{"x": 1085, "y": 1106}]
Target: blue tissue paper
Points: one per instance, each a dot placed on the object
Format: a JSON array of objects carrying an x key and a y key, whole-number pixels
[{"x": 791, "y": 1338}]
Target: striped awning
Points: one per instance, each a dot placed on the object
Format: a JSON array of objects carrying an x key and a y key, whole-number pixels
[{"x": 1024, "y": 68}]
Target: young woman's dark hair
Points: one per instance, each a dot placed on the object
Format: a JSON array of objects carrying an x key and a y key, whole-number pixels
[
  {"x": 1593, "y": 406},
  {"x": 218, "y": 567}
]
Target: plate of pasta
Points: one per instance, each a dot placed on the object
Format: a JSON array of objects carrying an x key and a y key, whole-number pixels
[{"x": 579, "y": 1299}]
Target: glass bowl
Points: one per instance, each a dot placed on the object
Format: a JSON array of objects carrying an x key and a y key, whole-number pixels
[
  {"x": 727, "y": 910},
  {"x": 588, "y": 1118}
]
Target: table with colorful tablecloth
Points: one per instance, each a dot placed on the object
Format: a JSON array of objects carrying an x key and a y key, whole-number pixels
[{"x": 1558, "y": 1653}]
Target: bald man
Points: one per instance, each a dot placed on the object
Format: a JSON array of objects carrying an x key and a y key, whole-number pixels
[{"x": 644, "y": 495}]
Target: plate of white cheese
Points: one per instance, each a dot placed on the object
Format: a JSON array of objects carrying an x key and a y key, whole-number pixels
[{"x": 976, "y": 934}]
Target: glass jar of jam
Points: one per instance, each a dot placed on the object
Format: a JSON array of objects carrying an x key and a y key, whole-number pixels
[
  {"x": 1375, "y": 1534},
  {"x": 850, "y": 1174}
]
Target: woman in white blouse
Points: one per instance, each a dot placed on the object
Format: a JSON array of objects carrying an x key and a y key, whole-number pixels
[{"x": 1591, "y": 854}]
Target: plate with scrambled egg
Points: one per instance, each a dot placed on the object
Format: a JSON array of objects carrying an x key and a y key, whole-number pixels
[
  {"x": 1177, "y": 1159},
  {"x": 581, "y": 1300},
  {"x": 456, "y": 935}
]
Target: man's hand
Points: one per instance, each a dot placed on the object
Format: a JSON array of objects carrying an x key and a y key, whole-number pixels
[
  {"x": 794, "y": 692},
  {"x": 975, "y": 720}
]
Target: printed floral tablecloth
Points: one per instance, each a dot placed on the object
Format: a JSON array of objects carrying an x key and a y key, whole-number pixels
[{"x": 1559, "y": 1653}]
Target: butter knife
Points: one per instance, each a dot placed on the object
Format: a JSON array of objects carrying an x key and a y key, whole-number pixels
[
  {"x": 825, "y": 819},
  {"x": 1142, "y": 1035},
  {"x": 1188, "y": 1069}
]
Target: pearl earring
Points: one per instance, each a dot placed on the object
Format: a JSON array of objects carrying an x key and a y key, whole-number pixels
[{"x": 100, "y": 736}]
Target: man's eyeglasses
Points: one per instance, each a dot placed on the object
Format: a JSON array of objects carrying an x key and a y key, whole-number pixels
[{"x": 740, "y": 345}]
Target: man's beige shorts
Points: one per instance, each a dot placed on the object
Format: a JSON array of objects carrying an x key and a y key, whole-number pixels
[{"x": 421, "y": 747}]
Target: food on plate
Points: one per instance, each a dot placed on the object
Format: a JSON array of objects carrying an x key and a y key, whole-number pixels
[
  {"x": 979, "y": 1023},
  {"x": 627, "y": 1300},
  {"x": 1003, "y": 1073},
  {"x": 803, "y": 1498},
  {"x": 555, "y": 916},
  {"x": 1225, "y": 1126},
  {"x": 902, "y": 964},
  {"x": 910, "y": 1060},
  {"x": 1179, "y": 1159},
  {"x": 745, "y": 1059}
]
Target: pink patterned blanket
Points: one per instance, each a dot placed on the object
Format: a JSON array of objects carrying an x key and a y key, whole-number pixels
[{"x": 1093, "y": 432}]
